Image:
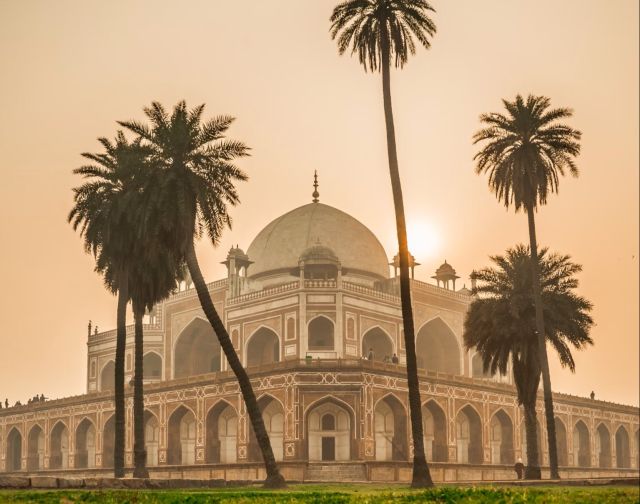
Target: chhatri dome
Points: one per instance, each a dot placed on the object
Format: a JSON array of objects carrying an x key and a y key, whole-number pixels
[{"x": 317, "y": 229}]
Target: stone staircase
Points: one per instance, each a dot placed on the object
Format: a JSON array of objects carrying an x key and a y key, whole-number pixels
[{"x": 335, "y": 471}]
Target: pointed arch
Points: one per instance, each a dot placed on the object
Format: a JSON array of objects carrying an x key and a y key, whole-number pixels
[
  {"x": 320, "y": 331},
  {"x": 196, "y": 350},
  {"x": 85, "y": 457},
  {"x": 603, "y": 445},
  {"x": 623, "y": 448},
  {"x": 501, "y": 438},
  {"x": 469, "y": 435},
  {"x": 151, "y": 437},
  {"x": 390, "y": 425},
  {"x": 35, "y": 448},
  {"x": 262, "y": 347},
  {"x": 107, "y": 376},
  {"x": 14, "y": 450},
  {"x": 434, "y": 429},
  {"x": 377, "y": 343},
  {"x": 581, "y": 445},
  {"x": 181, "y": 427},
  {"x": 59, "y": 446},
  {"x": 330, "y": 429},
  {"x": 108, "y": 441},
  {"x": 152, "y": 365},
  {"x": 272, "y": 411},
  {"x": 221, "y": 434},
  {"x": 438, "y": 348}
]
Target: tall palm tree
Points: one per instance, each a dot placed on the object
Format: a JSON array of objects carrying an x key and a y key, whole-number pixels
[
  {"x": 524, "y": 153},
  {"x": 199, "y": 177},
  {"x": 501, "y": 325},
  {"x": 382, "y": 33},
  {"x": 103, "y": 210}
]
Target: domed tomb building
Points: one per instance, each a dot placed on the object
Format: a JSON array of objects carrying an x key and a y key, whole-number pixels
[{"x": 315, "y": 317}]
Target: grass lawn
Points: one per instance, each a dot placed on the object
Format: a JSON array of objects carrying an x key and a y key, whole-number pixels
[{"x": 339, "y": 494}]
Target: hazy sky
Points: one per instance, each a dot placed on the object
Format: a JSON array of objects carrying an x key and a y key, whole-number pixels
[{"x": 70, "y": 69}]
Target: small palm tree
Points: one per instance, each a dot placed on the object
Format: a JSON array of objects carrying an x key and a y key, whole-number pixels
[
  {"x": 103, "y": 212},
  {"x": 524, "y": 153},
  {"x": 382, "y": 33},
  {"x": 501, "y": 325},
  {"x": 198, "y": 185}
]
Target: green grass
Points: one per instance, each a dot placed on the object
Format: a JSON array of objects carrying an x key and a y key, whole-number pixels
[{"x": 335, "y": 494}]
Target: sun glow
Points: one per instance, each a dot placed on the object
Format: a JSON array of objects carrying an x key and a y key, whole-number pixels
[{"x": 424, "y": 239}]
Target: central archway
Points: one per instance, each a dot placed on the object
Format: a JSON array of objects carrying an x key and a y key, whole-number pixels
[
  {"x": 321, "y": 337},
  {"x": 14, "y": 450},
  {"x": 263, "y": 347},
  {"x": 152, "y": 366},
  {"x": 390, "y": 421},
  {"x": 437, "y": 348},
  {"x": 329, "y": 434},
  {"x": 501, "y": 438},
  {"x": 377, "y": 343},
  {"x": 197, "y": 350},
  {"x": 59, "y": 458}
]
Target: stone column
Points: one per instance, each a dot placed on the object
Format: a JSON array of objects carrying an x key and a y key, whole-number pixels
[
  {"x": 162, "y": 431},
  {"x": 451, "y": 430},
  {"x": 200, "y": 427},
  {"x": 243, "y": 432},
  {"x": 303, "y": 333},
  {"x": 291, "y": 425}
]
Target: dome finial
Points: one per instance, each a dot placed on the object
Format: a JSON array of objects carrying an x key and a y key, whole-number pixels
[{"x": 316, "y": 194}]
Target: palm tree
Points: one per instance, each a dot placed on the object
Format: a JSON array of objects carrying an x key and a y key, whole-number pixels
[
  {"x": 501, "y": 325},
  {"x": 524, "y": 153},
  {"x": 199, "y": 177},
  {"x": 103, "y": 212},
  {"x": 382, "y": 32}
]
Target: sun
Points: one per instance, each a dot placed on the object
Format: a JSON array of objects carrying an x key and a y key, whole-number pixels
[{"x": 424, "y": 239}]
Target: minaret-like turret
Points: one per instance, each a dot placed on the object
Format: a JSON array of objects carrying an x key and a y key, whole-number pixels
[
  {"x": 237, "y": 263},
  {"x": 315, "y": 194},
  {"x": 445, "y": 274}
]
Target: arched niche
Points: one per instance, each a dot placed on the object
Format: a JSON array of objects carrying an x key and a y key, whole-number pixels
[
  {"x": 59, "y": 450},
  {"x": 561, "y": 442},
  {"x": 378, "y": 344},
  {"x": 581, "y": 445},
  {"x": 14, "y": 451},
  {"x": 329, "y": 432},
  {"x": 435, "y": 432},
  {"x": 35, "y": 449},
  {"x": 390, "y": 421},
  {"x": 437, "y": 348},
  {"x": 151, "y": 438},
  {"x": 321, "y": 334},
  {"x": 85, "y": 445},
  {"x": 501, "y": 431},
  {"x": 469, "y": 436},
  {"x": 197, "y": 350},
  {"x": 108, "y": 441},
  {"x": 623, "y": 449},
  {"x": 603, "y": 446},
  {"x": 222, "y": 434},
  {"x": 181, "y": 447},
  {"x": 152, "y": 366},
  {"x": 263, "y": 348},
  {"x": 108, "y": 376},
  {"x": 273, "y": 417}
]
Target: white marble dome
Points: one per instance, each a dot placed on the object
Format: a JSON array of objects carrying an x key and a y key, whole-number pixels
[{"x": 278, "y": 247}]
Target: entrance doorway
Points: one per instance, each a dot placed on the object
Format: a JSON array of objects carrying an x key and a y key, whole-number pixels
[{"x": 328, "y": 448}]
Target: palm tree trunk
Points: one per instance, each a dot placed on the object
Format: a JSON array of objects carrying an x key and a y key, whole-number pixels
[
  {"x": 139, "y": 451},
  {"x": 542, "y": 347},
  {"x": 274, "y": 478},
  {"x": 121, "y": 342},
  {"x": 421, "y": 475},
  {"x": 532, "y": 471}
]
